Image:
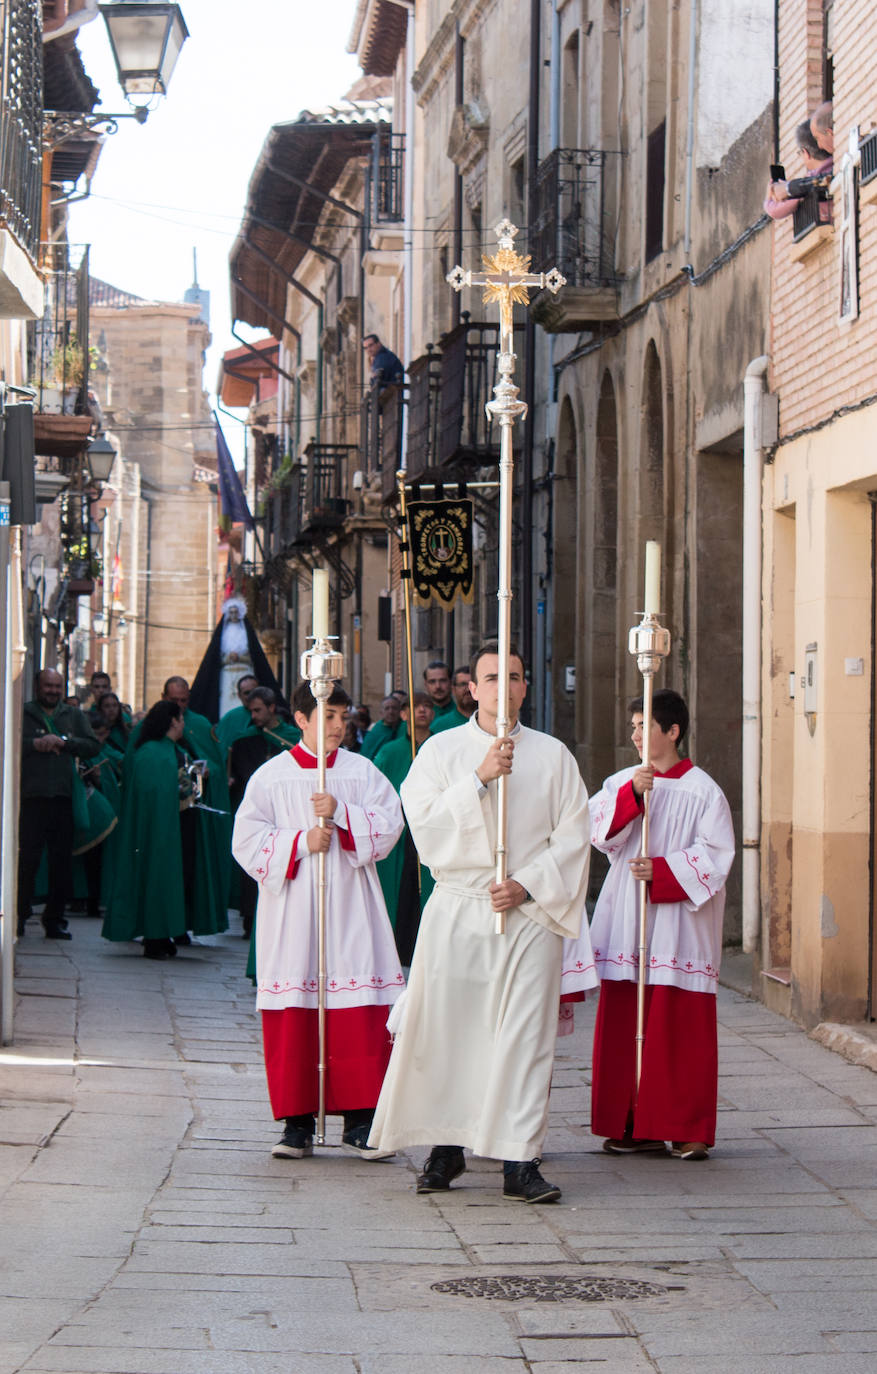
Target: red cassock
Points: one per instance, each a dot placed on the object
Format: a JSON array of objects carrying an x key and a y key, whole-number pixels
[
  {"x": 363, "y": 973},
  {"x": 691, "y": 834}
]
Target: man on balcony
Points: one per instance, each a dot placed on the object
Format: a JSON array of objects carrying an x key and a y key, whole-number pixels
[{"x": 385, "y": 366}]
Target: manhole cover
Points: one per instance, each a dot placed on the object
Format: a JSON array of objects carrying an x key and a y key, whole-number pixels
[{"x": 549, "y": 1288}]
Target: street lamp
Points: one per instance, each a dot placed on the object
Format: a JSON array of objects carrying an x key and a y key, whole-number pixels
[
  {"x": 146, "y": 37},
  {"x": 100, "y": 457}
]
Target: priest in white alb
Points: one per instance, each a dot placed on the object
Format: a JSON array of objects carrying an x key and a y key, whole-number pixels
[
  {"x": 276, "y": 840},
  {"x": 691, "y": 839},
  {"x": 472, "y": 1061}
]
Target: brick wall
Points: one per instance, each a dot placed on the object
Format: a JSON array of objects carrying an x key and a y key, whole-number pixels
[{"x": 819, "y": 365}]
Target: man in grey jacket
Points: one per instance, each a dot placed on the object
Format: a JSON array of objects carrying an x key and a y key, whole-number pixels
[{"x": 54, "y": 735}]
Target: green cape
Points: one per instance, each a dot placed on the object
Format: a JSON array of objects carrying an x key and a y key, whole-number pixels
[
  {"x": 394, "y": 760},
  {"x": 448, "y": 720},
  {"x": 147, "y": 893},
  {"x": 209, "y": 901},
  {"x": 379, "y": 735}
]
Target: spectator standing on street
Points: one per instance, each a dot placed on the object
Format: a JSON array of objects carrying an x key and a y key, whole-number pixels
[
  {"x": 692, "y": 843},
  {"x": 383, "y": 730},
  {"x": 464, "y": 706},
  {"x": 54, "y": 736}
]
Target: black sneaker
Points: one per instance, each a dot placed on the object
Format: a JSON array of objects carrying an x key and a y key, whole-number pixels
[
  {"x": 56, "y": 930},
  {"x": 445, "y": 1163},
  {"x": 295, "y": 1143},
  {"x": 355, "y": 1142},
  {"x": 524, "y": 1183}
]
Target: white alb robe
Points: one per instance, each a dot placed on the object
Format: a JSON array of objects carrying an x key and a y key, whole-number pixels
[
  {"x": 689, "y": 826},
  {"x": 270, "y": 828},
  {"x": 472, "y": 1064}
]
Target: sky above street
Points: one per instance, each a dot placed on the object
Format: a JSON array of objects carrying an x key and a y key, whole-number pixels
[{"x": 180, "y": 181}]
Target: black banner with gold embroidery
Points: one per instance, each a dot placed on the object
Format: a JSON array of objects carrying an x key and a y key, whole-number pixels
[{"x": 441, "y": 551}]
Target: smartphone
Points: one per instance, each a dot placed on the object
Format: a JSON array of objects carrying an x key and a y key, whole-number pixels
[{"x": 777, "y": 171}]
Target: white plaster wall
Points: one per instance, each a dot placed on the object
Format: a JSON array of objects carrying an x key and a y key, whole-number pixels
[{"x": 734, "y": 73}]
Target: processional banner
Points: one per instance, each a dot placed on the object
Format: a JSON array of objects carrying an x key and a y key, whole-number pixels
[{"x": 441, "y": 551}]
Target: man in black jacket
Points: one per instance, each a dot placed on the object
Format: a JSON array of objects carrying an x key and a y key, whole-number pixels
[{"x": 54, "y": 735}]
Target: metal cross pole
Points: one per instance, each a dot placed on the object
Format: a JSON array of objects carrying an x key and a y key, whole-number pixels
[
  {"x": 506, "y": 280},
  {"x": 650, "y": 642},
  {"x": 321, "y": 665},
  {"x": 405, "y": 549}
]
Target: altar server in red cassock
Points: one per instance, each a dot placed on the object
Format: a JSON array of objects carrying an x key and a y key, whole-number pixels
[
  {"x": 692, "y": 842},
  {"x": 276, "y": 840}
]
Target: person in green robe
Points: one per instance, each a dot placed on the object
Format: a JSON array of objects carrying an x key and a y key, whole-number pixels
[
  {"x": 236, "y": 723},
  {"x": 404, "y": 893},
  {"x": 206, "y": 829},
  {"x": 383, "y": 730},
  {"x": 118, "y": 721},
  {"x": 437, "y": 682},
  {"x": 148, "y": 897},
  {"x": 96, "y": 850},
  {"x": 463, "y": 705}
]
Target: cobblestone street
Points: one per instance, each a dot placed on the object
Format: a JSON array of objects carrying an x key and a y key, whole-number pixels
[{"x": 147, "y": 1230}]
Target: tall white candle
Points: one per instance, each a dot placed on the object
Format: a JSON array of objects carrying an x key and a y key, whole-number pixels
[
  {"x": 653, "y": 578},
  {"x": 320, "y": 594}
]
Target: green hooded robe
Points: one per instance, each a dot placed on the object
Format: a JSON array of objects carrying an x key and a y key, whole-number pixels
[
  {"x": 394, "y": 760},
  {"x": 147, "y": 896}
]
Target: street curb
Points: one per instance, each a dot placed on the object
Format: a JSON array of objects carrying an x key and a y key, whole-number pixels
[{"x": 858, "y": 1046}]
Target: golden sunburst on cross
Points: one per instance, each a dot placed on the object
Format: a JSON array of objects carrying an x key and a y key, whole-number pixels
[{"x": 507, "y": 279}]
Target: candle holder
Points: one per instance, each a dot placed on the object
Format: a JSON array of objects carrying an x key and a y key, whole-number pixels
[{"x": 649, "y": 642}]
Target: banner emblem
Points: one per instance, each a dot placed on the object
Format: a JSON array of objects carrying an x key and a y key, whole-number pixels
[{"x": 441, "y": 551}]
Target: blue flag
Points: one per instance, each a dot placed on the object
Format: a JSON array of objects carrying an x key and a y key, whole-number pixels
[{"x": 231, "y": 493}]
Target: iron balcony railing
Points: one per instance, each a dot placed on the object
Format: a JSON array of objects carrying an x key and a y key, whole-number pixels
[
  {"x": 468, "y": 374},
  {"x": 60, "y": 356},
  {"x": 387, "y": 176},
  {"x": 573, "y": 231},
  {"x": 814, "y": 209},
  {"x": 381, "y": 426},
  {"x": 424, "y": 390},
  {"x": 868, "y": 159},
  {"x": 325, "y": 504},
  {"x": 283, "y": 514},
  {"x": 21, "y": 145}
]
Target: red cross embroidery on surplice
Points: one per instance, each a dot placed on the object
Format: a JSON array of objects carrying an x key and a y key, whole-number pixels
[{"x": 260, "y": 870}]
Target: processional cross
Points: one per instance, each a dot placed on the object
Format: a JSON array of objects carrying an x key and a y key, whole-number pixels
[{"x": 507, "y": 280}]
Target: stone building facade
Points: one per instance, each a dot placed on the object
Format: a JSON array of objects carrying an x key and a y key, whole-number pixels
[{"x": 163, "y": 524}]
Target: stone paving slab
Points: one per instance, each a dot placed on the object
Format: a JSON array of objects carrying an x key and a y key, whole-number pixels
[{"x": 138, "y": 1181}]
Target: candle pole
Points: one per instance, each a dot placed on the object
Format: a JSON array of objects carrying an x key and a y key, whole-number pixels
[
  {"x": 506, "y": 280},
  {"x": 650, "y": 643},
  {"x": 321, "y": 666}
]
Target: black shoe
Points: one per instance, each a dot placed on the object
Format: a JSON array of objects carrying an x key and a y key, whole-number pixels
[
  {"x": 182, "y": 941},
  {"x": 155, "y": 949},
  {"x": 524, "y": 1183},
  {"x": 445, "y": 1163},
  {"x": 57, "y": 930},
  {"x": 355, "y": 1142},
  {"x": 295, "y": 1143},
  {"x": 170, "y": 948}
]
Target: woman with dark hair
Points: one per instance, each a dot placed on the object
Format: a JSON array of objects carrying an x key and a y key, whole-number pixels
[
  {"x": 148, "y": 898},
  {"x": 110, "y": 707}
]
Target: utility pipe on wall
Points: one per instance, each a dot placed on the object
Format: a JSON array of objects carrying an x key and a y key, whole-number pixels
[{"x": 753, "y": 463}]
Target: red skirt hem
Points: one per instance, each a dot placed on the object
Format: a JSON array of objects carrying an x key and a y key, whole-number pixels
[
  {"x": 357, "y": 1053},
  {"x": 679, "y": 1089}
]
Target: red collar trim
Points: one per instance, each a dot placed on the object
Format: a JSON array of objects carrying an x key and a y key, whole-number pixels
[
  {"x": 678, "y": 770},
  {"x": 305, "y": 759}
]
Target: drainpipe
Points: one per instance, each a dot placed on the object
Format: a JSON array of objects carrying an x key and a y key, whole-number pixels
[
  {"x": 689, "y": 141},
  {"x": 753, "y": 462}
]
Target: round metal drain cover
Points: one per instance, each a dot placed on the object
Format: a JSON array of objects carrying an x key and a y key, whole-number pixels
[{"x": 549, "y": 1288}]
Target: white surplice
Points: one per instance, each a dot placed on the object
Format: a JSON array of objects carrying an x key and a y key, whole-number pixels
[
  {"x": 270, "y": 831},
  {"x": 689, "y": 826},
  {"x": 472, "y": 1064}
]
